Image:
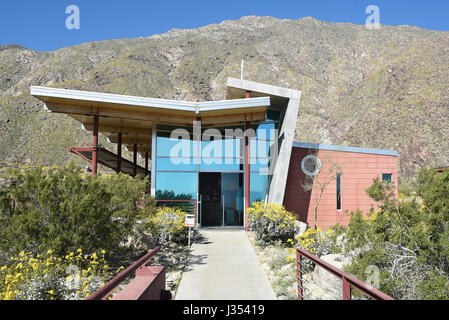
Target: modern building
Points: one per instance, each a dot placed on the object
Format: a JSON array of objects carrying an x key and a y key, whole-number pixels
[{"x": 223, "y": 155}]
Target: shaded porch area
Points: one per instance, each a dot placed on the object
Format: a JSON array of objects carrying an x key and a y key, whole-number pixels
[{"x": 111, "y": 161}]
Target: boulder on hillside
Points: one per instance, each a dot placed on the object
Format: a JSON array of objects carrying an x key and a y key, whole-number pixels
[{"x": 301, "y": 227}]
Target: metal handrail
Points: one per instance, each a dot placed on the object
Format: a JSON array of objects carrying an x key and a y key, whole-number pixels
[
  {"x": 105, "y": 291},
  {"x": 347, "y": 279}
]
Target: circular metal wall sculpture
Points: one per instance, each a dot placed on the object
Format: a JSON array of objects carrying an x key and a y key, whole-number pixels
[{"x": 311, "y": 165}]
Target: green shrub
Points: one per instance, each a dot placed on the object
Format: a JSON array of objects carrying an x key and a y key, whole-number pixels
[
  {"x": 271, "y": 223},
  {"x": 167, "y": 225},
  {"x": 408, "y": 241},
  {"x": 61, "y": 210}
]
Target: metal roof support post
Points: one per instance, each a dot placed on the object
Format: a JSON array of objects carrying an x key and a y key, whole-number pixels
[
  {"x": 153, "y": 159},
  {"x": 119, "y": 152},
  {"x": 247, "y": 168},
  {"x": 95, "y": 146},
  {"x": 135, "y": 160},
  {"x": 146, "y": 171},
  {"x": 146, "y": 163}
]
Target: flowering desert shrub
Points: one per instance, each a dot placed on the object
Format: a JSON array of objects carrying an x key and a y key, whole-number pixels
[
  {"x": 168, "y": 225},
  {"x": 49, "y": 277},
  {"x": 271, "y": 222},
  {"x": 317, "y": 242}
]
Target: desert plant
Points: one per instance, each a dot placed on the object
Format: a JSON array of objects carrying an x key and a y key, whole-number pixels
[
  {"x": 49, "y": 277},
  {"x": 167, "y": 225},
  {"x": 407, "y": 240},
  {"x": 271, "y": 222},
  {"x": 62, "y": 210}
]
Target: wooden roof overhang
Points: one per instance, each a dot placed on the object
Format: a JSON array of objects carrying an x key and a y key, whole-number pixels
[{"x": 134, "y": 116}]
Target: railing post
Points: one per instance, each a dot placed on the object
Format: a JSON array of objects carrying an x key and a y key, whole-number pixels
[
  {"x": 105, "y": 291},
  {"x": 299, "y": 272},
  {"x": 346, "y": 289},
  {"x": 348, "y": 281}
]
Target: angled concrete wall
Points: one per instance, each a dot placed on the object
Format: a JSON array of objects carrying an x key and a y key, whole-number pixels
[
  {"x": 286, "y": 137},
  {"x": 284, "y": 99}
]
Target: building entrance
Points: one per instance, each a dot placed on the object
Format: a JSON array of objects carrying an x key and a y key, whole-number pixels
[{"x": 221, "y": 199}]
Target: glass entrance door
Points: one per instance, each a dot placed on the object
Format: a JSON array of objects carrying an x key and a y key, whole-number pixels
[
  {"x": 221, "y": 196},
  {"x": 232, "y": 196}
]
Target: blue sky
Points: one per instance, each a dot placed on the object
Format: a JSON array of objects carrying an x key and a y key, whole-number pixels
[{"x": 41, "y": 25}]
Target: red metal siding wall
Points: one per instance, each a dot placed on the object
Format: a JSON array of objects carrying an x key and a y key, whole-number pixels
[{"x": 358, "y": 172}]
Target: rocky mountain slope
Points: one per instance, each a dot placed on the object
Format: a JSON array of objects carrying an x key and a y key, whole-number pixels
[{"x": 384, "y": 88}]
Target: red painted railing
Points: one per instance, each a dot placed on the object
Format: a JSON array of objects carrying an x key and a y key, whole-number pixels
[
  {"x": 348, "y": 281},
  {"x": 148, "y": 284}
]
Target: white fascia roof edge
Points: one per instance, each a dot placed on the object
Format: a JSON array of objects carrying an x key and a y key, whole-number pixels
[
  {"x": 148, "y": 102},
  {"x": 111, "y": 98},
  {"x": 234, "y": 103}
]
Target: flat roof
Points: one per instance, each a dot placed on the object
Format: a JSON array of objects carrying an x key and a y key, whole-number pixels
[
  {"x": 97, "y": 98},
  {"x": 134, "y": 116},
  {"x": 345, "y": 148}
]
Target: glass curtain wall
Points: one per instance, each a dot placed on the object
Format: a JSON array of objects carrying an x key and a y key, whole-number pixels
[
  {"x": 176, "y": 169},
  {"x": 179, "y": 163},
  {"x": 262, "y": 151},
  {"x": 221, "y": 176}
]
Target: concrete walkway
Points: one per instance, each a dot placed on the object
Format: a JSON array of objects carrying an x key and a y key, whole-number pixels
[{"x": 224, "y": 266}]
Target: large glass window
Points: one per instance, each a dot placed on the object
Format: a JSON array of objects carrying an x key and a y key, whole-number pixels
[
  {"x": 221, "y": 149},
  {"x": 261, "y": 148},
  {"x": 219, "y": 167},
  {"x": 221, "y": 146},
  {"x": 176, "y": 170},
  {"x": 176, "y": 185},
  {"x": 386, "y": 177},
  {"x": 262, "y": 151},
  {"x": 175, "y": 164},
  {"x": 338, "y": 191},
  {"x": 258, "y": 186}
]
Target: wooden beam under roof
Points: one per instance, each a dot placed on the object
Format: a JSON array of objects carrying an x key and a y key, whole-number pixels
[
  {"x": 115, "y": 124},
  {"x": 131, "y": 139},
  {"x": 233, "y": 118},
  {"x": 113, "y": 129},
  {"x": 167, "y": 116},
  {"x": 130, "y": 128},
  {"x": 123, "y": 114}
]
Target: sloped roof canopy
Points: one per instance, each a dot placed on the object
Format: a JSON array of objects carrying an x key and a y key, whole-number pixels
[{"x": 133, "y": 116}]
